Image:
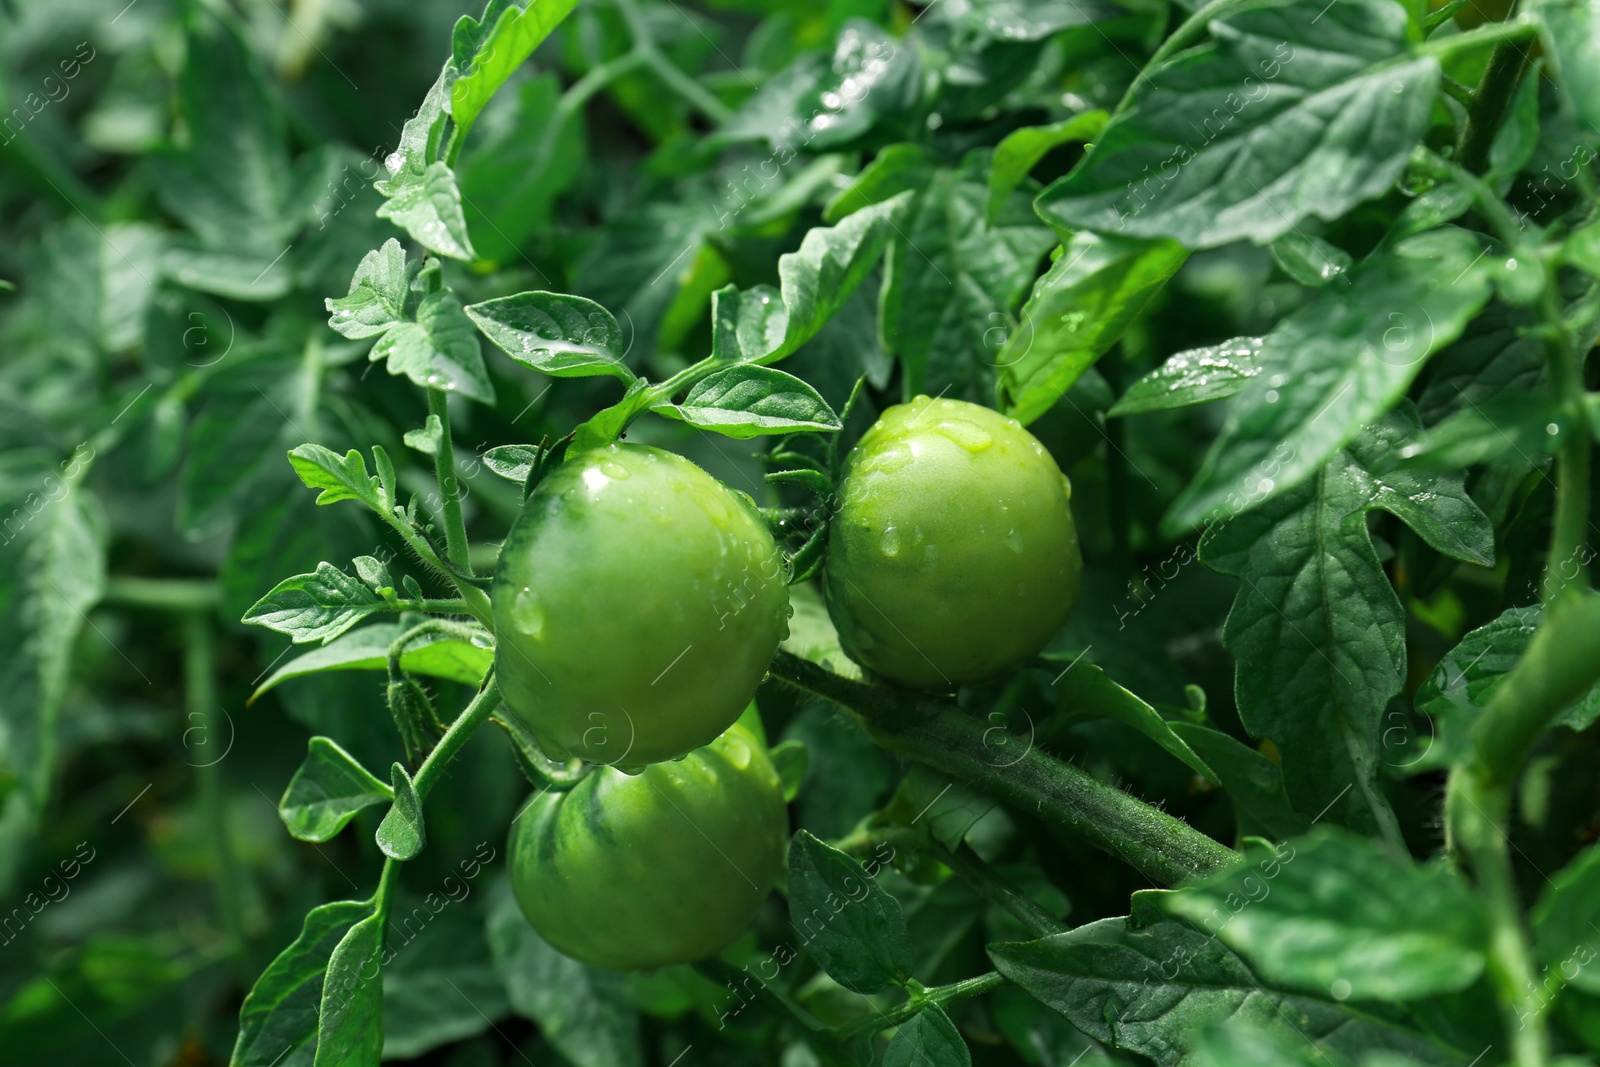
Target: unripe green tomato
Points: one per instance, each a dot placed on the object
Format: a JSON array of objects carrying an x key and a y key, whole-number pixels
[
  {"x": 637, "y": 604},
  {"x": 952, "y": 556},
  {"x": 668, "y": 866}
]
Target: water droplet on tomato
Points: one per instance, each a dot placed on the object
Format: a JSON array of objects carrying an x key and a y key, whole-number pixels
[
  {"x": 527, "y": 612},
  {"x": 968, "y": 435},
  {"x": 889, "y": 543}
]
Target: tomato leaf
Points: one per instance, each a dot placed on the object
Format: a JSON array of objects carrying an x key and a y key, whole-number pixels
[
  {"x": 564, "y": 336},
  {"x": 1021, "y": 150},
  {"x": 327, "y": 791},
  {"x": 488, "y": 50},
  {"x": 315, "y": 607},
  {"x": 423, "y": 335},
  {"x": 1153, "y": 990},
  {"x": 338, "y": 477},
  {"x": 871, "y": 80},
  {"x": 52, "y": 574},
  {"x": 927, "y": 1038},
  {"x": 1087, "y": 690},
  {"x": 278, "y": 1020},
  {"x": 1572, "y": 35},
  {"x": 1254, "y": 782},
  {"x": 760, "y": 325},
  {"x": 1311, "y": 261},
  {"x": 1076, "y": 311},
  {"x": 584, "y": 1012},
  {"x": 1336, "y": 366},
  {"x": 744, "y": 401},
  {"x": 947, "y": 808},
  {"x": 952, "y": 282},
  {"x": 894, "y": 170},
  {"x": 853, "y": 927},
  {"x": 790, "y": 759},
  {"x": 350, "y": 1022},
  {"x": 1520, "y": 423},
  {"x": 378, "y": 293},
  {"x": 1316, "y": 629},
  {"x": 1461, "y": 686},
  {"x": 1286, "y": 113},
  {"x": 231, "y": 183},
  {"x": 1195, "y": 376},
  {"x": 429, "y": 209},
  {"x": 1332, "y": 915},
  {"x": 1565, "y": 919},
  {"x": 401, "y": 835}
]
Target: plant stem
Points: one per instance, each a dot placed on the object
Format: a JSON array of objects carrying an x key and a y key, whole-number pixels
[
  {"x": 692, "y": 91},
  {"x": 163, "y": 594},
  {"x": 386, "y": 883},
  {"x": 455, "y": 528},
  {"x": 1489, "y": 104},
  {"x": 1561, "y": 664},
  {"x": 200, "y": 689},
  {"x": 475, "y": 600},
  {"x": 940, "y": 995},
  {"x": 1565, "y": 369},
  {"x": 1165, "y": 849},
  {"x": 464, "y": 727},
  {"x": 1477, "y": 814}
]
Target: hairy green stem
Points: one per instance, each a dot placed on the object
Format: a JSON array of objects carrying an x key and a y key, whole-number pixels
[
  {"x": 163, "y": 594},
  {"x": 941, "y": 736},
  {"x": 475, "y": 600},
  {"x": 204, "y": 714},
  {"x": 1490, "y": 101},
  {"x": 1478, "y": 817},
  {"x": 464, "y": 727},
  {"x": 940, "y": 995},
  {"x": 455, "y": 528}
]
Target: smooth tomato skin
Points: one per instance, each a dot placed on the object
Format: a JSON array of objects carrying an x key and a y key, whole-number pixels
[
  {"x": 952, "y": 554},
  {"x": 667, "y": 866},
  {"x": 637, "y": 604}
]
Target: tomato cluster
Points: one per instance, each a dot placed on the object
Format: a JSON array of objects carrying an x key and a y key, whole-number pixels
[{"x": 638, "y": 603}]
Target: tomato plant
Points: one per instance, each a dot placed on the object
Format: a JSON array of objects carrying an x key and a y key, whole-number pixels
[{"x": 622, "y": 532}]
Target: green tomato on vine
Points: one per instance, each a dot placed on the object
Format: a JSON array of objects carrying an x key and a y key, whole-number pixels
[
  {"x": 637, "y": 602},
  {"x": 952, "y": 554},
  {"x": 668, "y": 866}
]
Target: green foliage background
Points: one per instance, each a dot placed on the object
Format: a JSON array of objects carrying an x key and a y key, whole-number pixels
[{"x": 1306, "y": 327}]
